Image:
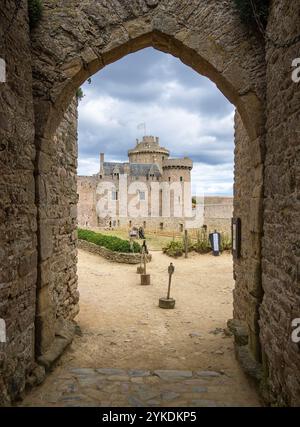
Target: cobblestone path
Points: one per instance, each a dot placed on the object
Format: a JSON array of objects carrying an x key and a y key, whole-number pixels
[{"x": 139, "y": 388}]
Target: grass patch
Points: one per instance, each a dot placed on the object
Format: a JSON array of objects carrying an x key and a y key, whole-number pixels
[{"x": 112, "y": 243}]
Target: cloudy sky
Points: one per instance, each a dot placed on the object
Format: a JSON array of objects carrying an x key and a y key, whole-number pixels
[{"x": 187, "y": 111}]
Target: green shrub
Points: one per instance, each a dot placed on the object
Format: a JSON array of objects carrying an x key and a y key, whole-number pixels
[
  {"x": 174, "y": 248},
  {"x": 109, "y": 242},
  {"x": 35, "y": 9},
  {"x": 202, "y": 245},
  {"x": 247, "y": 13},
  {"x": 226, "y": 243},
  {"x": 79, "y": 94}
]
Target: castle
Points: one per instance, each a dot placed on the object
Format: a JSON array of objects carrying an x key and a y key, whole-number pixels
[{"x": 151, "y": 190}]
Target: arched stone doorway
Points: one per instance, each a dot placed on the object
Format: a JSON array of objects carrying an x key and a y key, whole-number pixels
[{"x": 75, "y": 41}]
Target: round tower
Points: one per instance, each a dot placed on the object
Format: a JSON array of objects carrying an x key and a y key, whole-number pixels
[
  {"x": 148, "y": 151},
  {"x": 177, "y": 172}
]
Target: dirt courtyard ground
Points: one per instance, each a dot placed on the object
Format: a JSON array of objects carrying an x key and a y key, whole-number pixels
[{"x": 122, "y": 326}]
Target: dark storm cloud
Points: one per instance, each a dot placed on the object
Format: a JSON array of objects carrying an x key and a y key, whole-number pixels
[
  {"x": 184, "y": 109},
  {"x": 143, "y": 77}
]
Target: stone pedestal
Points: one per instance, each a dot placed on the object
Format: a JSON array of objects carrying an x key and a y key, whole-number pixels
[
  {"x": 145, "y": 279},
  {"x": 167, "y": 303}
]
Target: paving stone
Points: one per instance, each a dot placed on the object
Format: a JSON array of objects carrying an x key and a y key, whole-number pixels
[
  {"x": 67, "y": 388},
  {"x": 125, "y": 387},
  {"x": 204, "y": 403},
  {"x": 135, "y": 402},
  {"x": 83, "y": 371},
  {"x": 137, "y": 380},
  {"x": 118, "y": 378},
  {"x": 138, "y": 373},
  {"x": 86, "y": 381},
  {"x": 111, "y": 371},
  {"x": 148, "y": 394},
  {"x": 152, "y": 380},
  {"x": 96, "y": 394},
  {"x": 172, "y": 374},
  {"x": 71, "y": 398},
  {"x": 153, "y": 402},
  {"x": 117, "y": 388},
  {"x": 169, "y": 395},
  {"x": 207, "y": 374},
  {"x": 178, "y": 387},
  {"x": 199, "y": 389},
  {"x": 197, "y": 382},
  {"x": 176, "y": 404}
]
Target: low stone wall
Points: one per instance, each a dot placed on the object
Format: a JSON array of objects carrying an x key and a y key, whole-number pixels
[{"x": 120, "y": 257}]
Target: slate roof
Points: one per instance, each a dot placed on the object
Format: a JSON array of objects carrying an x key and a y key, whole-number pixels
[{"x": 136, "y": 169}]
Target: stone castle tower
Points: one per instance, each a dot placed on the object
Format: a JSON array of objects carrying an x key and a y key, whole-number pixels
[{"x": 149, "y": 167}]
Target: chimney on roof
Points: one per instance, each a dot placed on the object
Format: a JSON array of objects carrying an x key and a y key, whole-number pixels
[{"x": 101, "y": 162}]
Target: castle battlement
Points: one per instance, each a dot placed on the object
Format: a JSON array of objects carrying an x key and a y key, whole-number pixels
[
  {"x": 148, "y": 145},
  {"x": 184, "y": 163}
]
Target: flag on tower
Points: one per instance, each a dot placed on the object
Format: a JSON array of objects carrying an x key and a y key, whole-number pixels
[{"x": 142, "y": 126}]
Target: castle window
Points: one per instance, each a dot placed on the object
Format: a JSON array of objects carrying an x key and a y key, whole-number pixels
[
  {"x": 161, "y": 225},
  {"x": 142, "y": 196},
  {"x": 181, "y": 179},
  {"x": 114, "y": 195},
  {"x": 181, "y": 227},
  {"x": 100, "y": 176},
  {"x": 169, "y": 179}
]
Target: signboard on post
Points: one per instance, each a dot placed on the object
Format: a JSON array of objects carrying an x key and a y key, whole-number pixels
[
  {"x": 2, "y": 331},
  {"x": 215, "y": 242},
  {"x": 236, "y": 237}
]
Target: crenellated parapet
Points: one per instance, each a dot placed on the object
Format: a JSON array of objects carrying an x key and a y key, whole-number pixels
[
  {"x": 148, "y": 150},
  {"x": 185, "y": 163}
]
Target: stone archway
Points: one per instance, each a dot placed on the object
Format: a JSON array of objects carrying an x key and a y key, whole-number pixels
[{"x": 75, "y": 41}]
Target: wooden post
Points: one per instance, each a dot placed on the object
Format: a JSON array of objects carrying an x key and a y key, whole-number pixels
[
  {"x": 145, "y": 278},
  {"x": 186, "y": 243},
  {"x": 145, "y": 262},
  {"x": 168, "y": 303}
]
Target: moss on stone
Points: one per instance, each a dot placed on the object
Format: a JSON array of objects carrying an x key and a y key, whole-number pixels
[
  {"x": 254, "y": 11},
  {"x": 35, "y": 9}
]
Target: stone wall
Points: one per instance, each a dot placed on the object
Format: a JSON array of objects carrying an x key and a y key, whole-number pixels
[
  {"x": 18, "y": 255},
  {"x": 247, "y": 206},
  {"x": 281, "y": 241},
  {"x": 243, "y": 178},
  {"x": 57, "y": 199},
  {"x": 218, "y": 212}
]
